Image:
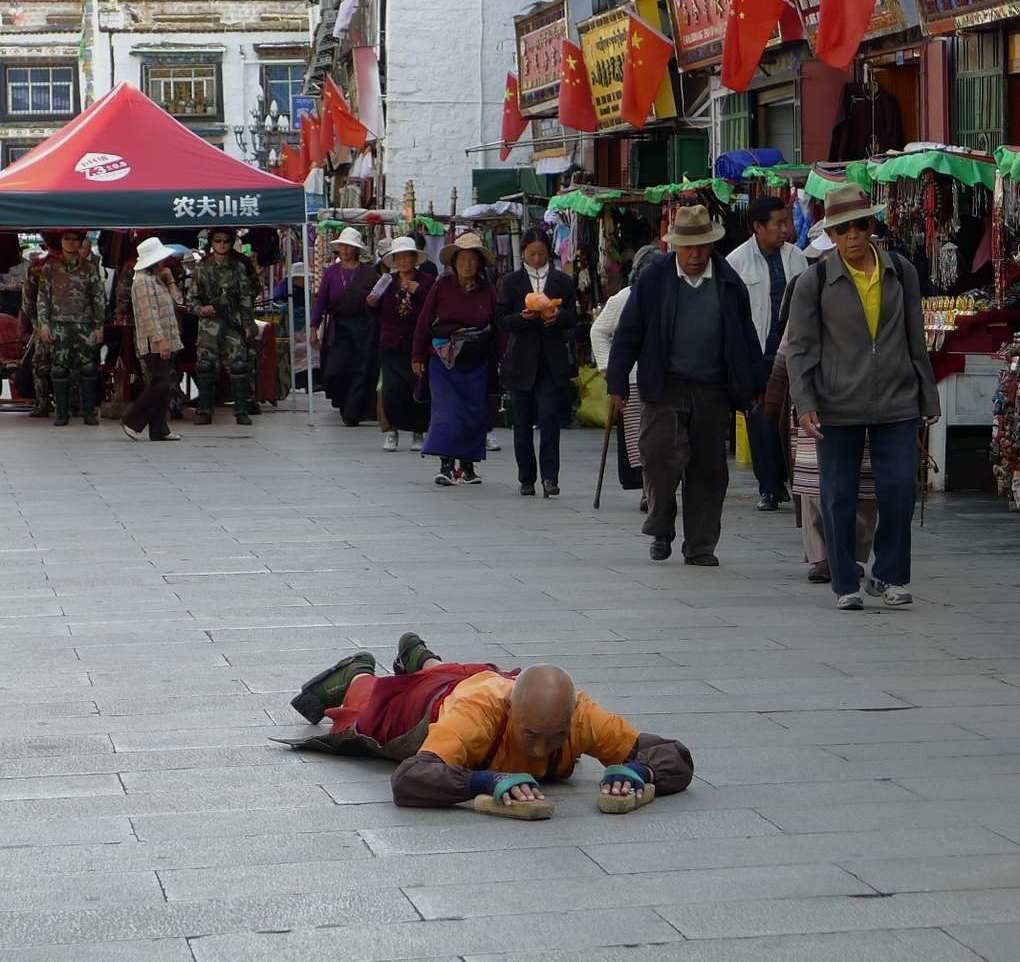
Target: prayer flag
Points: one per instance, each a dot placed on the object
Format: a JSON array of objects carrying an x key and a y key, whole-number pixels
[{"x": 646, "y": 60}]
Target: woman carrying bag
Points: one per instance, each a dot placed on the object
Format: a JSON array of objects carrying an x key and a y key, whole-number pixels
[
  {"x": 537, "y": 309},
  {"x": 454, "y": 340}
]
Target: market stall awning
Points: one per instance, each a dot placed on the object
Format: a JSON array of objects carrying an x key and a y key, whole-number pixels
[
  {"x": 722, "y": 189},
  {"x": 968, "y": 169},
  {"x": 826, "y": 177},
  {"x": 1008, "y": 161},
  {"x": 125, "y": 162},
  {"x": 781, "y": 175}
]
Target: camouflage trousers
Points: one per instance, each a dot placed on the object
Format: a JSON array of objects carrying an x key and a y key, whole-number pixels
[
  {"x": 237, "y": 351},
  {"x": 42, "y": 362},
  {"x": 73, "y": 349}
]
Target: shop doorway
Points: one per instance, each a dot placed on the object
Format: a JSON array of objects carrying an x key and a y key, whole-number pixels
[
  {"x": 778, "y": 121},
  {"x": 903, "y": 82}
]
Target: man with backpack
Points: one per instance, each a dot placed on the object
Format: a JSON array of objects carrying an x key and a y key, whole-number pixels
[{"x": 859, "y": 369}]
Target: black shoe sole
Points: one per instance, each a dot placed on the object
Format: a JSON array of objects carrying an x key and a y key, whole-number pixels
[{"x": 310, "y": 705}]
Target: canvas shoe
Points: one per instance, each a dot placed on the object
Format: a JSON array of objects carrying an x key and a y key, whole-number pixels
[
  {"x": 417, "y": 441},
  {"x": 327, "y": 689},
  {"x": 491, "y": 444},
  {"x": 893, "y": 596},
  {"x": 134, "y": 435},
  {"x": 850, "y": 602},
  {"x": 392, "y": 440}
]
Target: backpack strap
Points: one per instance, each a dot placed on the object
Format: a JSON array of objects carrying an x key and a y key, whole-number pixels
[{"x": 820, "y": 270}]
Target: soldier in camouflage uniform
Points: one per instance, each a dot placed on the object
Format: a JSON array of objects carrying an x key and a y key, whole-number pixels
[
  {"x": 223, "y": 298},
  {"x": 71, "y": 311},
  {"x": 42, "y": 352}
]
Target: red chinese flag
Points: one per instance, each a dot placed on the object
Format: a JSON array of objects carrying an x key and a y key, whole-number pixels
[
  {"x": 842, "y": 25},
  {"x": 315, "y": 154},
  {"x": 327, "y": 136},
  {"x": 576, "y": 107},
  {"x": 645, "y": 62},
  {"x": 289, "y": 162},
  {"x": 305, "y": 158},
  {"x": 348, "y": 131},
  {"x": 791, "y": 27},
  {"x": 751, "y": 24},
  {"x": 514, "y": 122}
]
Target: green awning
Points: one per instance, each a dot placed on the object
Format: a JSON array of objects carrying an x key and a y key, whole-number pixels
[
  {"x": 819, "y": 183},
  {"x": 722, "y": 189},
  {"x": 588, "y": 204},
  {"x": 1008, "y": 160},
  {"x": 962, "y": 168},
  {"x": 778, "y": 176}
]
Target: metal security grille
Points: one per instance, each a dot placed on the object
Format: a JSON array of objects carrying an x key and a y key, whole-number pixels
[
  {"x": 40, "y": 91},
  {"x": 979, "y": 91}
]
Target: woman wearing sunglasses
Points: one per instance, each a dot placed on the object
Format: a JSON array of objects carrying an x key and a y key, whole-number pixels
[{"x": 859, "y": 370}]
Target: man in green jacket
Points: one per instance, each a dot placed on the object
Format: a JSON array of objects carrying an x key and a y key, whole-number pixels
[{"x": 859, "y": 368}]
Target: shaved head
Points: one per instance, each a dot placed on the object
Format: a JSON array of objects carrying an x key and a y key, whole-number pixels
[{"x": 541, "y": 706}]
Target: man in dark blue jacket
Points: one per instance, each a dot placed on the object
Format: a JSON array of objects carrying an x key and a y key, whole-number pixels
[{"x": 688, "y": 326}]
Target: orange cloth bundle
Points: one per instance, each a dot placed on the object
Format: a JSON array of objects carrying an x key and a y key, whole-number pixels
[{"x": 540, "y": 304}]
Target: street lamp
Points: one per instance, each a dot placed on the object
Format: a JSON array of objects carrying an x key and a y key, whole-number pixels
[{"x": 263, "y": 138}]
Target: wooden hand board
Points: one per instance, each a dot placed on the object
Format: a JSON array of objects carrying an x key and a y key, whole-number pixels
[
  {"x": 530, "y": 811},
  {"x": 622, "y": 804}
]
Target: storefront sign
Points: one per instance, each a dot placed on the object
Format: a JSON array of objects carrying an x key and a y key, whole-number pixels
[
  {"x": 699, "y": 27},
  {"x": 604, "y": 44},
  {"x": 946, "y": 16},
  {"x": 890, "y": 16},
  {"x": 539, "y": 46}
]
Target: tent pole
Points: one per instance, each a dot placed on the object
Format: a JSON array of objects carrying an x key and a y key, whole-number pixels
[
  {"x": 289, "y": 248},
  {"x": 308, "y": 323}
]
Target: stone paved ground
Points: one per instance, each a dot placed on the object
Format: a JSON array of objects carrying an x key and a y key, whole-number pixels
[{"x": 858, "y": 774}]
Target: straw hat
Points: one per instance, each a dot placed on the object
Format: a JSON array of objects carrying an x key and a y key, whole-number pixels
[
  {"x": 351, "y": 237},
  {"x": 403, "y": 245},
  {"x": 466, "y": 242},
  {"x": 693, "y": 226},
  {"x": 846, "y": 203},
  {"x": 151, "y": 251}
]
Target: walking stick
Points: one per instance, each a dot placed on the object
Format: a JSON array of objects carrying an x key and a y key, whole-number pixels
[
  {"x": 610, "y": 423},
  {"x": 928, "y": 463}
]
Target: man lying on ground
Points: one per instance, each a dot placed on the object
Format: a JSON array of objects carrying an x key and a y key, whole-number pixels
[{"x": 459, "y": 731}]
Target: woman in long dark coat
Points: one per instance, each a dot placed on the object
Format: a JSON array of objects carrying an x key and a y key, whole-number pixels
[
  {"x": 348, "y": 361},
  {"x": 454, "y": 341},
  {"x": 398, "y": 309},
  {"x": 536, "y": 366}
]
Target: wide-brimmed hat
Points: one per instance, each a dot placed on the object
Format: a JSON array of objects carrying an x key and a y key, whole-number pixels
[
  {"x": 151, "y": 251},
  {"x": 694, "y": 226},
  {"x": 466, "y": 242},
  {"x": 819, "y": 245},
  {"x": 351, "y": 237},
  {"x": 297, "y": 269},
  {"x": 846, "y": 203},
  {"x": 403, "y": 245}
]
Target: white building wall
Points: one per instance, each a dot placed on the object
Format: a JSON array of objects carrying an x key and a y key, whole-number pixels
[
  {"x": 446, "y": 66},
  {"x": 240, "y": 68}
]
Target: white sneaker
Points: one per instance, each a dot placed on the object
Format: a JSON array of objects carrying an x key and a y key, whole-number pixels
[
  {"x": 893, "y": 596},
  {"x": 391, "y": 442},
  {"x": 417, "y": 441},
  {"x": 135, "y": 435},
  {"x": 172, "y": 436},
  {"x": 851, "y": 602},
  {"x": 491, "y": 444}
]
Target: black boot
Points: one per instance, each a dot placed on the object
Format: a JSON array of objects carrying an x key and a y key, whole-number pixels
[
  {"x": 239, "y": 387},
  {"x": 89, "y": 391},
  {"x": 206, "y": 397},
  {"x": 61, "y": 400}
]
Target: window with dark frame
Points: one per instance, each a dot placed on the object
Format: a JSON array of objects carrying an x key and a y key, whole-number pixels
[
  {"x": 39, "y": 91},
  {"x": 283, "y": 82},
  {"x": 13, "y": 152},
  {"x": 186, "y": 91}
]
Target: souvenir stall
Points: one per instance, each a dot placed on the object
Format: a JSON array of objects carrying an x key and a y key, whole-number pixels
[
  {"x": 500, "y": 226},
  {"x": 1005, "y": 447},
  {"x": 939, "y": 216}
]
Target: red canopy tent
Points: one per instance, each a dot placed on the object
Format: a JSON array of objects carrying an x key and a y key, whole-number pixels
[{"x": 125, "y": 162}]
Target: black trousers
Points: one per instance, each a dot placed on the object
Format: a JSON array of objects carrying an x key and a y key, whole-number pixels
[
  {"x": 683, "y": 442},
  {"x": 542, "y": 405},
  {"x": 350, "y": 367},
  {"x": 767, "y": 457},
  {"x": 152, "y": 405}
]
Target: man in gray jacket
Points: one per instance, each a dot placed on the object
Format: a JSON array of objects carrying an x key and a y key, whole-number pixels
[{"x": 859, "y": 368}]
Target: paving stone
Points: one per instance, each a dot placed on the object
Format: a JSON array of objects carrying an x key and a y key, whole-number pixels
[
  {"x": 938, "y": 873},
  {"x": 993, "y": 943},
  {"x": 918, "y": 945},
  {"x": 52, "y": 893},
  {"x": 80, "y": 786},
  {"x": 161, "y": 950},
  {"x": 370, "y": 943}
]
